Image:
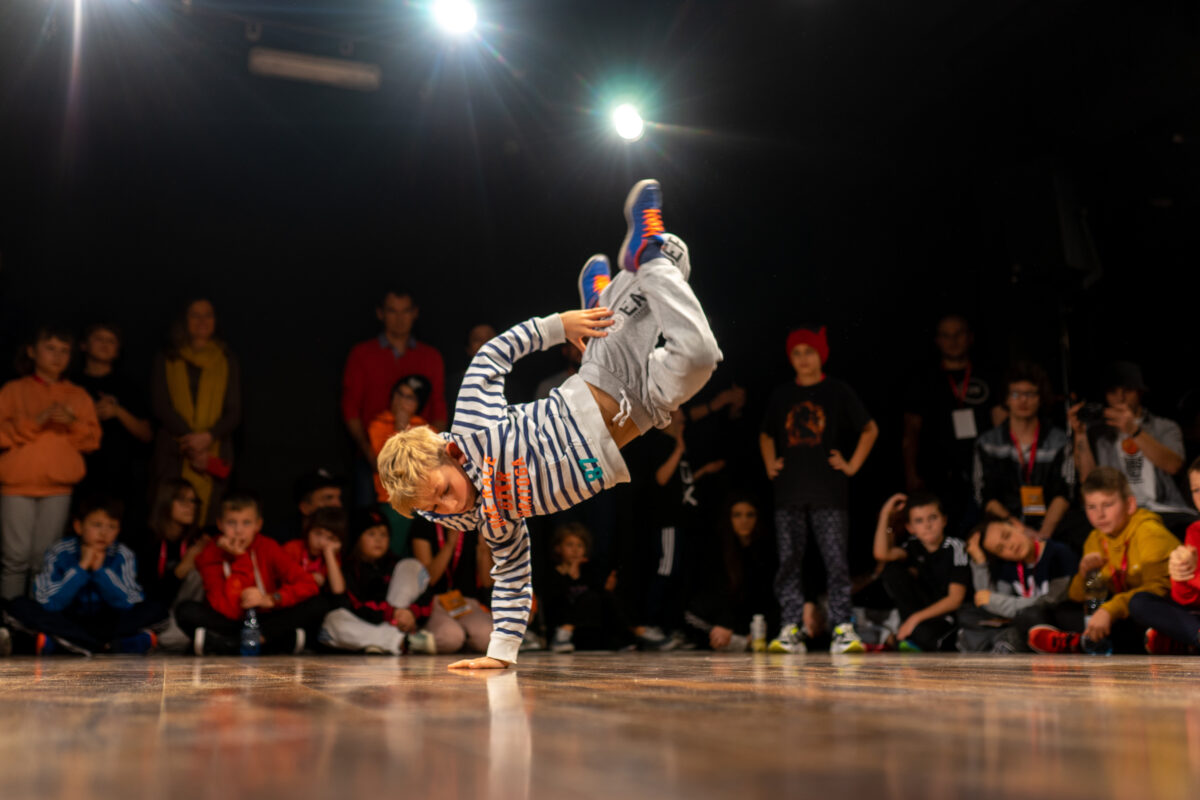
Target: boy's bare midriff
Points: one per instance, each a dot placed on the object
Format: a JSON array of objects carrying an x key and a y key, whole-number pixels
[{"x": 610, "y": 408}]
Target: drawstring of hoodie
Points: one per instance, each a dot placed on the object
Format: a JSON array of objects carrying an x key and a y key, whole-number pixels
[{"x": 626, "y": 410}]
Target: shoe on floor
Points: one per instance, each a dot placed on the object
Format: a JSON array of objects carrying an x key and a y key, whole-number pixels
[
  {"x": 140, "y": 643},
  {"x": 1159, "y": 644},
  {"x": 845, "y": 640},
  {"x": 653, "y": 639},
  {"x": 562, "y": 641},
  {"x": 421, "y": 642},
  {"x": 789, "y": 640},
  {"x": 44, "y": 645},
  {"x": 1049, "y": 639}
]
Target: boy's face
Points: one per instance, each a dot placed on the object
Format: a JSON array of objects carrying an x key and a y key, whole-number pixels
[
  {"x": 397, "y": 315},
  {"x": 319, "y": 539},
  {"x": 103, "y": 346},
  {"x": 1108, "y": 511},
  {"x": 448, "y": 490},
  {"x": 50, "y": 356},
  {"x": 1194, "y": 482},
  {"x": 742, "y": 518},
  {"x": 1023, "y": 399},
  {"x": 927, "y": 523},
  {"x": 373, "y": 544},
  {"x": 1008, "y": 540},
  {"x": 953, "y": 338},
  {"x": 98, "y": 529},
  {"x": 238, "y": 528},
  {"x": 806, "y": 361},
  {"x": 572, "y": 550}
]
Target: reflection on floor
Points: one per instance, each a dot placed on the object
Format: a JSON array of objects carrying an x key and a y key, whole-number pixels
[{"x": 601, "y": 726}]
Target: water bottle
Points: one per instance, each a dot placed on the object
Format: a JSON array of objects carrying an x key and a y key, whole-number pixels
[
  {"x": 758, "y": 634},
  {"x": 251, "y": 635},
  {"x": 1095, "y": 590}
]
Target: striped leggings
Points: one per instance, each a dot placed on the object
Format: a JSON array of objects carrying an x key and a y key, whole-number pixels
[{"x": 831, "y": 531}]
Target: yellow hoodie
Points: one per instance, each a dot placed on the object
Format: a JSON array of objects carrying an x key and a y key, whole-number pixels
[{"x": 1148, "y": 544}]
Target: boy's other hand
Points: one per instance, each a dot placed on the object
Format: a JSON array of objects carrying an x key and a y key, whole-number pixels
[
  {"x": 403, "y": 619},
  {"x": 1090, "y": 562},
  {"x": 234, "y": 545},
  {"x": 479, "y": 663},
  {"x": 91, "y": 558},
  {"x": 773, "y": 469},
  {"x": 586, "y": 323},
  {"x": 252, "y": 597},
  {"x": 975, "y": 551},
  {"x": 907, "y": 627},
  {"x": 1099, "y": 626},
  {"x": 719, "y": 637},
  {"x": 1182, "y": 564},
  {"x": 983, "y": 597}
]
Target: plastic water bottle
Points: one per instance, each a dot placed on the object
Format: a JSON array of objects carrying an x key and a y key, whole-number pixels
[
  {"x": 758, "y": 633},
  {"x": 1095, "y": 590},
  {"x": 251, "y": 635}
]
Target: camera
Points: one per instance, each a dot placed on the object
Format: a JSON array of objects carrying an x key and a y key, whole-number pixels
[{"x": 1091, "y": 415}]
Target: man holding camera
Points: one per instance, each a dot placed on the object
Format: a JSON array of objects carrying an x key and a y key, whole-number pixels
[{"x": 1122, "y": 434}]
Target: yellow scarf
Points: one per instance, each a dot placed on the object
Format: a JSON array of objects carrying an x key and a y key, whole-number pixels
[{"x": 203, "y": 411}]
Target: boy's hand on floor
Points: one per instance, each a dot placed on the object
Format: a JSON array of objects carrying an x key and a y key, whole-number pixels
[
  {"x": 586, "y": 323},
  {"x": 479, "y": 663}
]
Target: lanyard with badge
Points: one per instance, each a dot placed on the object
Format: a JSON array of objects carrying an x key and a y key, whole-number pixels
[
  {"x": 1027, "y": 589},
  {"x": 1033, "y": 498},
  {"x": 452, "y": 601},
  {"x": 962, "y": 418}
]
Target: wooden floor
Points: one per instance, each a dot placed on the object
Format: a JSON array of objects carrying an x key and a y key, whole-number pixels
[{"x": 601, "y": 726}]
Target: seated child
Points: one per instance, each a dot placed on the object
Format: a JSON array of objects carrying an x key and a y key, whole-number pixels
[
  {"x": 928, "y": 576},
  {"x": 579, "y": 601},
  {"x": 457, "y": 563},
  {"x": 319, "y": 551},
  {"x": 86, "y": 599},
  {"x": 242, "y": 570},
  {"x": 409, "y": 395},
  {"x": 379, "y": 590},
  {"x": 168, "y": 557},
  {"x": 736, "y": 577},
  {"x": 1174, "y": 624},
  {"x": 1130, "y": 547},
  {"x": 501, "y": 463},
  {"x": 1013, "y": 571}
]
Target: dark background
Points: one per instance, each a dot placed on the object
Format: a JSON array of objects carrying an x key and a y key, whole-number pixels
[{"x": 862, "y": 164}]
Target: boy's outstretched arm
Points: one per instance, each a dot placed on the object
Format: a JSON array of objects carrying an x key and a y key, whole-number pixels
[{"x": 512, "y": 596}]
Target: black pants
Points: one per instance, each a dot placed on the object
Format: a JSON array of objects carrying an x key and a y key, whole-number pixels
[
  {"x": 278, "y": 625},
  {"x": 95, "y": 633},
  {"x": 598, "y": 619},
  {"x": 1167, "y": 617},
  {"x": 910, "y": 597},
  {"x": 1127, "y": 635}
]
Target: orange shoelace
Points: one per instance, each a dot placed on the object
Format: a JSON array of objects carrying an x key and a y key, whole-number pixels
[
  {"x": 600, "y": 282},
  {"x": 652, "y": 222}
]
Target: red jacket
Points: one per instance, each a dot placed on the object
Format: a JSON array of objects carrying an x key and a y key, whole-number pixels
[
  {"x": 1187, "y": 593},
  {"x": 225, "y": 576}
]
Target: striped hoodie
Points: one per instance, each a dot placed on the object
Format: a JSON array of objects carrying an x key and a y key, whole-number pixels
[
  {"x": 62, "y": 584},
  {"x": 525, "y": 460}
]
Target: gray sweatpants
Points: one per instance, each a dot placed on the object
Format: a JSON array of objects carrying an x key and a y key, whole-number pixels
[
  {"x": 651, "y": 381},
  {"x": 28, "y": 526}
]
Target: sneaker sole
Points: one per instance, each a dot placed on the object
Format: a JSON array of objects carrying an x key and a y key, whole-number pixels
[
  {"x": 629, "y": 201},
  {"x": 852, "y": 647}
]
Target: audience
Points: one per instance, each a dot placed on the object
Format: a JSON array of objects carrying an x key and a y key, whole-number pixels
[
  {"x": 581, "y": 608},
  {"x": 318, "y": 552},
  {"x": 1022, "y": 466},
  {"x": 46, "y": 424},
  {"x": 196, "y": 396},
  {"x": 927, "y": 576},
  {"x": 371, "y": 372},
  {"x": 459, "y": 568},
  {"x": 808, "y": 424},
  {"x": 1147, "y": 449},
  {"x": 167, "y": 555},
  {"x": 87, "y": 600}
]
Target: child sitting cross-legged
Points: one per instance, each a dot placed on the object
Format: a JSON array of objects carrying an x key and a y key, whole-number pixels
[
  {"x": 928, "y": 576},
  {"x": 379, "y": 588},
  {"x": 319, "y": 550},
  {"x": 579, "y": 600},
  {"x": 242, "y": 571},
  {"x": 86, "y": 599}
]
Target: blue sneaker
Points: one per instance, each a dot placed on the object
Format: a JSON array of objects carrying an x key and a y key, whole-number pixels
[
  {"x": 595, "y": 275},
  {"x": 643, "y": 216},
  {"x": 140, "y": 643}
]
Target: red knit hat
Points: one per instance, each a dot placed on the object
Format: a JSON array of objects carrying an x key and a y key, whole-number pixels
[{"x": 814, "y": 339}]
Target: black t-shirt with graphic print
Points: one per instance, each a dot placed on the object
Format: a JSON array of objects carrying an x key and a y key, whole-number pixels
[
  {"x": 937, "y": 570},
  {"x": 806, "y": 423}
]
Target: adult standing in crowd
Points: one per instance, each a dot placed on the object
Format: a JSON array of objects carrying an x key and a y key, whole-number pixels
[
  {"x": 372, "y": 369},
  {"x": 1147, "y": 449},
  {"x": 196, "y": 396},
  {"x": 946, "y": 408}
]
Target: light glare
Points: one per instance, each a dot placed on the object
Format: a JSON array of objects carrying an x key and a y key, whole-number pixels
[
  {"x": 454, "y": 16},
  {"x": 628, "y": 122}
]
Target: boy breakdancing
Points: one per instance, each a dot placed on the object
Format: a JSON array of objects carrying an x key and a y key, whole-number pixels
[{"x": 501, "y": 463}]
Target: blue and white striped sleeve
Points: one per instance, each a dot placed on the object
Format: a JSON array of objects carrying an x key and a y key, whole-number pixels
[
  {"x": 512, "y": 592},
  {"x": 481, "y": 402},
  {"x": 117, "y": 579}
]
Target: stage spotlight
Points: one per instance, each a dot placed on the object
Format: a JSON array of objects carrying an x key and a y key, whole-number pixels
[
  {"x": 454, "y": 16},
  {"x": 628, "y": 122}
]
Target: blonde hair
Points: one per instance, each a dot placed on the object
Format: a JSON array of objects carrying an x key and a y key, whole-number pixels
[{"x": 405, "y": 463}]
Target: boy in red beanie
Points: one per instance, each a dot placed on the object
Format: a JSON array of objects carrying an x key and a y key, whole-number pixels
[{"x": 809, "y": 424}]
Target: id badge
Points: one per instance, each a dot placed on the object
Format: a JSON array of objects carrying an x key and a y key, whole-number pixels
[
  {"x": 964, "y": 423},
  {"x": 1033, "y": 501},
  {"x": 454, "y": 603}
]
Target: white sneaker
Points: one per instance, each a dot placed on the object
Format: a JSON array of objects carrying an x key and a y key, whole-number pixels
[
  {"x": 737, "y": 644},
  {"x": 198, "y": 641},
  {"x": 5, "y": 642},
  {"x": 789, "y": 640},
  {"x": 845, "y": 640},
  {"x": 422, "y": 642},
  {"x": 300, "y": 642},
  {"x": 562, "y": 641}
]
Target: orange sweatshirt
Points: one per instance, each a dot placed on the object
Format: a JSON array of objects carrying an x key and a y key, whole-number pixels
[{"x": 44, "y": 461}]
